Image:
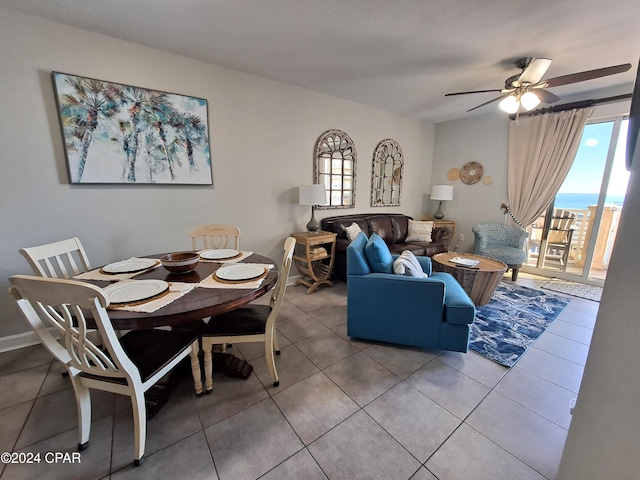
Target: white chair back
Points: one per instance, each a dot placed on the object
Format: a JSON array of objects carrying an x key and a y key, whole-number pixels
[
  {"x": 62, "y": 259},
  {"x": 59, "y": 305},
  {"x": 277, "y": 294},
  {"x": 215, "y": 236}
]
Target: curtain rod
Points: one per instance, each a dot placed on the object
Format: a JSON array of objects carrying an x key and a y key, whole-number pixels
[{"x": 572, "y": 105}]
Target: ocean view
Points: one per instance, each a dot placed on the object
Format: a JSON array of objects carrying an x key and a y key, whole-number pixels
[{"x": 581, "y": 201}]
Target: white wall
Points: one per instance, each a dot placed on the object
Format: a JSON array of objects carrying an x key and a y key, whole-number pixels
[
  {"x": 604, "y": 438},
  {"x": 262, "y": 136},
  {"x": 482, "y": 139}
]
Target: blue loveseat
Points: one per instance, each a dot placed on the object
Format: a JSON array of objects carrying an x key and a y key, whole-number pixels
[{"x": 433, "y": 312}]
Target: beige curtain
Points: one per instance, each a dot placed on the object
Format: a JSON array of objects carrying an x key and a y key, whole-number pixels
[{"x": 541, "y": 151}]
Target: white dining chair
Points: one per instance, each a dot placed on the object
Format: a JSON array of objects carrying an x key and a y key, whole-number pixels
[
  {"x": 250, "y": 323},
  {"x": 130, "y": 365},
  {"x": 215, "y": 236},
  {"x": 62, "y": 259}
]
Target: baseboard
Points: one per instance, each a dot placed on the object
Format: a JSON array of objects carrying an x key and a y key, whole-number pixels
[{"x": 21, "y": 340}]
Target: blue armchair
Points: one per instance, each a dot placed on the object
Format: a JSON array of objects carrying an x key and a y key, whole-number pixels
[
  {"x": 501, "y": 242},
  {"x": 432, "y": 312}
]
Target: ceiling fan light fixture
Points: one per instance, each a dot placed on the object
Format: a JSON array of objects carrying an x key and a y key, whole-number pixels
[
  {"x": 510, "y": 104},
  {"x": 529, "y": 100}
]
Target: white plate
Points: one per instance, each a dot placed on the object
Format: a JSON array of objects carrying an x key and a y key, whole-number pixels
[
  {"x": 239, "y": 271},
  {"x": 220, "y": 254},
  {"x": 467, "y": 262},
  {"x": 130, "y": 266},
  {"x": 135, "y": 290}
]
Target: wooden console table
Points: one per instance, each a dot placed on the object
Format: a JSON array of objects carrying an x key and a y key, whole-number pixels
[
  {"x": 315, "y": 262},
  {"x": 449, "y": 226}
]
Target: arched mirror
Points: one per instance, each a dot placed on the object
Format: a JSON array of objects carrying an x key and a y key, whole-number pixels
[
  {"x": 336, "y": 168},
  {"x": 386, "y": 174}
]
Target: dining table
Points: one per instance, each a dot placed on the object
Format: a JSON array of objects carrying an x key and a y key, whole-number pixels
[
  {"x": 199, "y": 303},
  {"x": 194, "y": 295}
]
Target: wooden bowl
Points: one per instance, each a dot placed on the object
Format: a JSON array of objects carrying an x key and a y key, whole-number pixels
[{"x": 181, "y": 262}]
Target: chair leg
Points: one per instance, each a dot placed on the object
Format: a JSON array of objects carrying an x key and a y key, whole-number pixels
[
  {"x": 139, "y": 426},
  {"x": 514, "y": 272},
  {"x": 195, "y": 368},
  {"x": 276, "y": 346},
  {"x": 83, "y": 401},
  {"x": 208, "y": 366},
  {"x": 271, "y": 362}
]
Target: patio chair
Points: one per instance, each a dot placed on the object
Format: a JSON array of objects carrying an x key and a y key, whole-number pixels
[{"x": 559, "y": 237}]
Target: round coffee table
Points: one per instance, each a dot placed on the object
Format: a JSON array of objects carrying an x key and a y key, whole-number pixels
[{"x": 480, "y": 281}]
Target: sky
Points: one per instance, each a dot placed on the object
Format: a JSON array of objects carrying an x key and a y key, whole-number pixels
[{"x": 585, "y": 175}]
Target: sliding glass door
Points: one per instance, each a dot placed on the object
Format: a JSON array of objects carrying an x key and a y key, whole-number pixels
[{"x": 573, "y": 239}]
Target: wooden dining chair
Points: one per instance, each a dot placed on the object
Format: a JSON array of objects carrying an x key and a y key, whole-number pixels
[
  {"x": 215, "y": 236},
  {"x": 130, "y": 365},
  {"x": 62, "y": 259},
  {"x": 250, "y": 323}
]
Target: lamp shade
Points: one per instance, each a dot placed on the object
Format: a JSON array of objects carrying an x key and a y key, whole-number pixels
[
  {"x": 312, "y": 195},
  {"x": 442, "y": 192},
  {"x": 510, "y": 104},
  {"x": 530, "y": 100}
]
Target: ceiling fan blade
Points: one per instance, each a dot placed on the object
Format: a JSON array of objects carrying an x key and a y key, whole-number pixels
[
  {"x": 545, "y": 96},
  {"x": 487, "y": 103},
  {"x": 472, "y": 91},
  {"x": 534, "y": 72},
  {"x": 586, "y": 75}
]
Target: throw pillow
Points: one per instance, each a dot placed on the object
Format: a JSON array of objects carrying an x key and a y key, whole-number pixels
[
  {"x": 407, "y": 264},
  {"x": 378, "y": 255},
  {"x": 419, "y": 231},
  {"x": 352, "y": 231}
]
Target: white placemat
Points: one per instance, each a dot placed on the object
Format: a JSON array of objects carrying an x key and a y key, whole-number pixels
[{"x": 176, "y": 290}]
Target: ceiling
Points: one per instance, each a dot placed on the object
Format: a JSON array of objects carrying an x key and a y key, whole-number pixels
[{"x": 400, "y": 56}]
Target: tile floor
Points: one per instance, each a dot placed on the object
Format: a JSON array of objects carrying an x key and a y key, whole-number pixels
[{"x": 345, "y": 409}]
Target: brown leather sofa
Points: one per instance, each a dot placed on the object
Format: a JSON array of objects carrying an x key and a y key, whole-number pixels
[{"x": 392, "y": 227}]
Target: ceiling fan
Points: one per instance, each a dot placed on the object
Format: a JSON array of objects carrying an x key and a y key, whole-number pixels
[{"x": 528, "y": 89}]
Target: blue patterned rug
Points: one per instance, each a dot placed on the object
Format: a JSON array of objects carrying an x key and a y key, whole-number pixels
[{"x": 514, "y": 318}]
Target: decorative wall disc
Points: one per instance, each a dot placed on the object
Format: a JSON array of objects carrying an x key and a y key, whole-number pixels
[
  {"x": 453, "y": 174},
  {"x": 487, "y": 180},
  {"x": 471, "y": 173}
]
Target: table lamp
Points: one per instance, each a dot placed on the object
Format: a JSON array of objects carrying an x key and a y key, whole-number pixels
[
  {"x": 312, "y": 195},
  {"x": 441, "y": 193}
]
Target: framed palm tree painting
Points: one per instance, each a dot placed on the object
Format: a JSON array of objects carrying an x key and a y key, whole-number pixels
[{"x": 116, "y": 133}]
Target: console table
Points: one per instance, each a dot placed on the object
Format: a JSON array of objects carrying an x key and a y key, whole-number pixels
[
  {"x": 450, "y": 229},
  {"x": 315, "y": 261}
]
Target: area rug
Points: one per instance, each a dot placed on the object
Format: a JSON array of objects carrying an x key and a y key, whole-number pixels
[
  {"x": 512, "y": 320},
  {"x": 590, "y": 292}
]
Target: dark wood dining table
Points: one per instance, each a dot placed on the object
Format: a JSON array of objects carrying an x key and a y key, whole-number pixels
[
  {"x": 199, "y": 303},
  {"x": 187, "y": 311}
]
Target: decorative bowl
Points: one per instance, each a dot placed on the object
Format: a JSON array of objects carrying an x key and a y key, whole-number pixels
[{"x": 181, "y": 262}]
